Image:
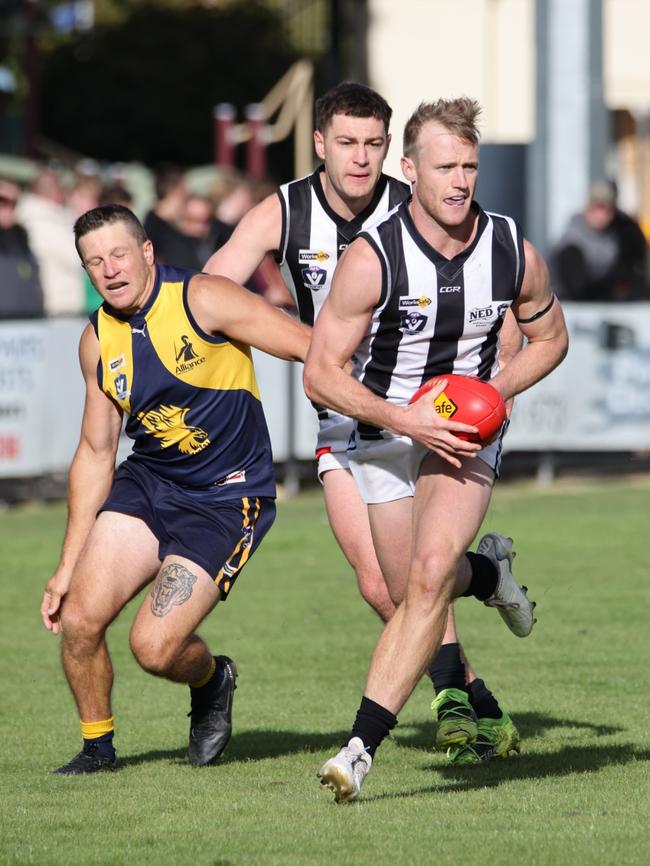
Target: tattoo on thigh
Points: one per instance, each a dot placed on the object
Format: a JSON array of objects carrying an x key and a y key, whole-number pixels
[{"x": 173, "y": 586}]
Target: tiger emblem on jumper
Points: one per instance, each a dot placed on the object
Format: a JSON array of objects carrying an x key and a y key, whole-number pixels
[{"x": 167, "y": 423}]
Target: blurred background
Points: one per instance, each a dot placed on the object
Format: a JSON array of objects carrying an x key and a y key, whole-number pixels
[{"x": 192, "y": 112}]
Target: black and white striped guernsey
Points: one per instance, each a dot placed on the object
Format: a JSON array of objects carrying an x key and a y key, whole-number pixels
[
  {"x": 437, "y": 315},
  {"x": 314, "y": 236}
]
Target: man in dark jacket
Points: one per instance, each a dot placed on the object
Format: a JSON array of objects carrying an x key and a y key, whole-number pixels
[{"x": 21, "y": 295}]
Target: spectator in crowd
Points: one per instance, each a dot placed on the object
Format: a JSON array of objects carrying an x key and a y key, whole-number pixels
[
  {"x": 162, "y": 222},
  {"x": 21, "y": 295},
  {"x": 115, "y": 193},
  {"x": 602, "y": 255},
  {"x": 181, "y": 226},
  {"x": 7, "y": 91},
  {"x": 84, "y": 195},
  {"x": 205, "y": 233},
  {"x": 44, "y": 213},
  {"x": 233, "y": 195}
]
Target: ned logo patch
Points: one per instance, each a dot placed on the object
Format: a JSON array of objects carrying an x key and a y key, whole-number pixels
[{"x": 480, "y": 316}]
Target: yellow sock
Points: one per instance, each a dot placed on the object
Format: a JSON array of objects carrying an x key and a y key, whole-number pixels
[
  {"x": 93, "y": 730},
  {"x": 207, "y": 677}
]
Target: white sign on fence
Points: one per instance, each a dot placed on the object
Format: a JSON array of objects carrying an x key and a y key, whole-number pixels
[{"x": 598, "y": 399}]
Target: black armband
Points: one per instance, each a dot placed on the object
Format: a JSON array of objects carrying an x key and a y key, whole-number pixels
[{"x": 537, "y": 315}]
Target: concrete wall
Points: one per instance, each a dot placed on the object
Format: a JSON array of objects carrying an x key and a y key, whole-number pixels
[{"x": 423, "y": 49}]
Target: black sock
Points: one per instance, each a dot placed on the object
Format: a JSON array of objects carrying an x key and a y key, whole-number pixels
[
  {"x": 104, "y": 745},
  {"x": 484, "y": 576},
  {"x": 372, "y": 724},
  {"x": 447, "y": 669},
  {"x": 483, "y": 701}
]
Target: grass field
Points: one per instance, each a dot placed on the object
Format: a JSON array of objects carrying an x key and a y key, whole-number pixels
[{"x": 577, "y": 688}]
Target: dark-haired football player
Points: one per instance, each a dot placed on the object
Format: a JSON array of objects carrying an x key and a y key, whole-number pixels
[{"x": 308, "y": 225}]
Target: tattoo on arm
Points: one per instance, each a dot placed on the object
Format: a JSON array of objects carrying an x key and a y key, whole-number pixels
[{"x": 173, "y": 586}]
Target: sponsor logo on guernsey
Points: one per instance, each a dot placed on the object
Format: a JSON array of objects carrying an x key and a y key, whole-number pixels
[
  {"x": 420, "y": 302},
  {"x": 121, "y": 386},
  {"x": 478, "y": 316},
  {"x": 116, "y": 363},
  {"x": 167, "y": 423},
  {"x": 186, "y": 357},
  {"x": 237, "y": 477},
  {"x": 313, "y": 277},
  {"x": 449, "y": 289},
  {"x": 313, "y": 256},
  {"x": 412, "y": 322},
  {"x": 142, "y": 330}
]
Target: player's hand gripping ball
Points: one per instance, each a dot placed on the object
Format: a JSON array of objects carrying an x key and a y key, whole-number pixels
[{"x": 468, "y": 401}]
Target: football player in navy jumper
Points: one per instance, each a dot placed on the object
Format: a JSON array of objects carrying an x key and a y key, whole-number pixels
[{"x": 170, "y": 350}]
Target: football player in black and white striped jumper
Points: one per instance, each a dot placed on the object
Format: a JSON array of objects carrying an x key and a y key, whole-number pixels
[{"x": 427, "y": 490}]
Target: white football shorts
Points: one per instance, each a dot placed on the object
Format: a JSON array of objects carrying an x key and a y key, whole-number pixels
[
  {"x": 387, "y": 469},
  {"x": 332, "y": 443}
]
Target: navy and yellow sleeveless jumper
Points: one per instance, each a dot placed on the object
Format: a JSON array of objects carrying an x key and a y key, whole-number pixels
[{"x": 193, "y": 405}]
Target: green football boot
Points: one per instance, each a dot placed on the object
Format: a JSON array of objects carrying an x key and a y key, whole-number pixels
[
  {"x": 457, "y": 722},
  {"x": 496, "y": 739}
]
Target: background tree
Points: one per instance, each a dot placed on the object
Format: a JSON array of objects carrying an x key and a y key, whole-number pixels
[{"x": 144, "y": 88}]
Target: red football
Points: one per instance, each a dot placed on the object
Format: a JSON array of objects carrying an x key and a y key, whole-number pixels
[{"x": 469, "y": 401}]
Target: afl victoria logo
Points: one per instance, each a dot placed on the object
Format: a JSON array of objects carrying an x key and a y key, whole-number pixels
[{"x": 313, "y": 277}]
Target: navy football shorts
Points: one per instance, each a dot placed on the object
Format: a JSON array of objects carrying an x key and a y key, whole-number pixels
[{"x": 218, "y": 534}]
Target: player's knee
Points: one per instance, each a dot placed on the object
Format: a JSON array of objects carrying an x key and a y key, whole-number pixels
[
  {"x": 79, "y": 624},
  {"x": 431, "y": 577},
  {"x": 153, "y": 654}
]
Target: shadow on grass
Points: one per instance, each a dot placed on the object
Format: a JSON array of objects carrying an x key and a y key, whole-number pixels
[
  {"x": 252, "y": 746},
  {"x": 564, "y": 762},
  {"x": 420, "y": 735},
  {"x": 257, "y": 745},
  {"x": 175, "y": 756}
]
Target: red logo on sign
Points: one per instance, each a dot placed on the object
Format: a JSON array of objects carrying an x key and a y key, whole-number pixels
[{"x": 9, "y": 447}]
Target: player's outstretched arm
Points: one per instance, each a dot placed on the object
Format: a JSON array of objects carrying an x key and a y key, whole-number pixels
[
  {"x": 342, "y": 324},
  {"x": 220, "y": 306},
  {"x": 540, "y": 319},
  {"x": 257, "y": 234},
  {"x": 90, "y": 477}
]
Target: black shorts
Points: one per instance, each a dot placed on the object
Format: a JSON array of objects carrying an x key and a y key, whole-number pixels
[{"x": 219, "y": 535}]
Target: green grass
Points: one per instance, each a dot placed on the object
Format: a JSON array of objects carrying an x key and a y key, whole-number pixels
[{"x": 577, "y": 688}]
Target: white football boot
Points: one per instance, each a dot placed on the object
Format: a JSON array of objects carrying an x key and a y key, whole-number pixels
[
  {"x": 509, "y": 598},
  {"x": 344, "y": 773}
]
